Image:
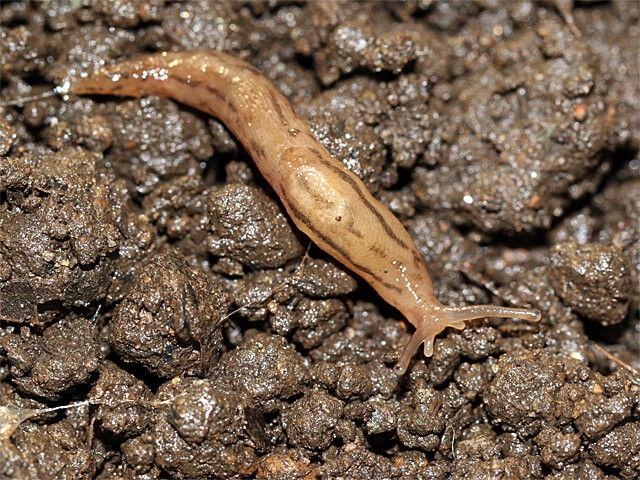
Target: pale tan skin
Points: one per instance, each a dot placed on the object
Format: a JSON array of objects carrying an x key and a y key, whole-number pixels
[{"x": 325, "y": 199}]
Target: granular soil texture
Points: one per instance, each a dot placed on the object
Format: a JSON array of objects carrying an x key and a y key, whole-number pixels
[{"x": 153, "y": 288}]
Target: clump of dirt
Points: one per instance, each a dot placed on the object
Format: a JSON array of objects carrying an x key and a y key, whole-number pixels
[
  {"x": 151, "y": 280},
  {"x": 249, "y": 228},
  {"x": 170, "y": 321},
  {"x": 592, "y": 279}
]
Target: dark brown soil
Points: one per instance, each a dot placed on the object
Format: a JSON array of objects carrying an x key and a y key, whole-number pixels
[{"x": 151, "y": 280}]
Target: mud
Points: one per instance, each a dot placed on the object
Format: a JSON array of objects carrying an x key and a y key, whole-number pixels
[{"x": 151, "y": 280}]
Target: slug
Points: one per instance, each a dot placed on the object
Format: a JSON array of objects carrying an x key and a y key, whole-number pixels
[{"x": 325, "y": 200}]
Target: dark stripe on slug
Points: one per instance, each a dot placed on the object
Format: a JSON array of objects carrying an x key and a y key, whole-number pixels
[
  {"x": 216, "y": 93},
  {"x": 388, "y": 285},
  {"x": 377, "y": 250},
  {"x": 256, "y": 148},
  {"x": 363, "y": 196},
  {"x": 276, "y": 105},
  {"x": 356, "y": 233},
  {"x": 351, "y": 226},
  {"x": 323, "y": 202},
  {"x": 310, "y": 190},
  {"x": 305, "y": 220},
  {"x": 192, "y": 83},
  {"x": 177, "y": 78},
  {"x": 418, "y": 262},
  {"x": 310, "y": 136}
]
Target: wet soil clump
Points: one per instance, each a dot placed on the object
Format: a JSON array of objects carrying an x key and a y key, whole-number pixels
[{"x": 153, "y": 287}]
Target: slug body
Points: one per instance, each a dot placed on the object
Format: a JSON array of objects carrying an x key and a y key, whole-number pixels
[{"x": 325, "y": 199}]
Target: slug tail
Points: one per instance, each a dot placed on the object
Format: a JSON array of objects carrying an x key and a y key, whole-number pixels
[
  {"x": 165, "y": 74},
  {"x": 442, "y": 317},
  {"x": 125, "y": 79}
]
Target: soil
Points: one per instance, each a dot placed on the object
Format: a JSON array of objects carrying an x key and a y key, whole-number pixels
[{"x": 152, "y": 286}]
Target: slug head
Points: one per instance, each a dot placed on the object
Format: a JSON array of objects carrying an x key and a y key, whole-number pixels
[{"x": 440, "y": 317}]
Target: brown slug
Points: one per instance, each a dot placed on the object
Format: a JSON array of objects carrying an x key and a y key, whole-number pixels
[{"x": 324, "y": 198}]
